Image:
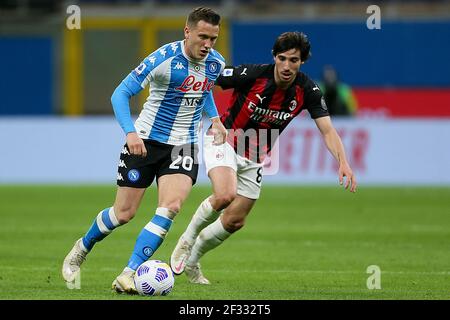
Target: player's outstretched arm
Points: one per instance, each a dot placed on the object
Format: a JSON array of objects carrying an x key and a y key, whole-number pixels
[{"x": 335, "y": 146}]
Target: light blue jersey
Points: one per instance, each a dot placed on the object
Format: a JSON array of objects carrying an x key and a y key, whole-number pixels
[{"x": 180, "y": 88}]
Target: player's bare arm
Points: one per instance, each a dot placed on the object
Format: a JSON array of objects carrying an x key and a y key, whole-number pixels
[
  {"x": 335, "y": 146},
  {"x": 136, "y": 144}
]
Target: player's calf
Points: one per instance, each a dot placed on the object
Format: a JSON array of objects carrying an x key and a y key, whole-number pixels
[{"x": 232, "y": 224}]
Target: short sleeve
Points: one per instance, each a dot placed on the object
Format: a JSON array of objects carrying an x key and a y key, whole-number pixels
[
  {"x": 237, "y": 77},
  {"x": 314, "y": 101}
]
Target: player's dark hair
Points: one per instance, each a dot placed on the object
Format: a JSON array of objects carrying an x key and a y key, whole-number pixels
[
  {"x": 202, "y": 13},
  {"x": 293, "y": 40}
]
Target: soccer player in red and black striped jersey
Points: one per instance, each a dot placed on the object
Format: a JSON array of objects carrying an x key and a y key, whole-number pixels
[{"x": 265, "y": 100}]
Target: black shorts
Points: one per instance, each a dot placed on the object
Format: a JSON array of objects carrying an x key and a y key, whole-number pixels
[{"x": 139, "y": 172}]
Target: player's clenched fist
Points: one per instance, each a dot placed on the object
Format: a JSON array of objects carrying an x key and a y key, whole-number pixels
[
  {"x": 136, "y": 145},
  {"x": 219, "y": 131}
]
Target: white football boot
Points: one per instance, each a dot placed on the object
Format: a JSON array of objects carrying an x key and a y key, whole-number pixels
[
  {"x": 195, "y": 275},
  {"x": 73, "y": 261},
  {"x": 180, "y": 255},
  {"x": 124, "y": 283}
]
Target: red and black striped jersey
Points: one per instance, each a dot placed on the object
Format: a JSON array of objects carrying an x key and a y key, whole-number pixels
[{"x": 259, "y": 111}]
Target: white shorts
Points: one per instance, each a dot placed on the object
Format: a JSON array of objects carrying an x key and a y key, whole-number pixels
[{"x": 249, "y": 173}]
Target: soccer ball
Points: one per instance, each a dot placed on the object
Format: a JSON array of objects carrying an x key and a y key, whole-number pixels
[{"x": 154, "y": 278}]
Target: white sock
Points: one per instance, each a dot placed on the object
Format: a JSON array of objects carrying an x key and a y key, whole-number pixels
[
  {"x": 210, "y": 237},
  {"x": 203, "y": 217},
  {"x": 127, "y": 269}
]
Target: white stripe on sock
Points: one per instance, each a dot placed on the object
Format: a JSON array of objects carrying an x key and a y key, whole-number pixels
[
  {"x": 101, "y": 225},
  {"x": 155, "y": 229},
  {"x": 113, "y": 218},
  {"x": 166, "y": 213}
]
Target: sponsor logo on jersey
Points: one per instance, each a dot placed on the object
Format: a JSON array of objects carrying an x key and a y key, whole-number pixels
[
  {"x": 125, "y": 151},
  {"x": 189, "y": 102},
  {"x": 190, "y": 84},
  {"x": 174, "y": 47},
  {"x": 119, "y": 177},
  {"x": 268, "y": 115},
  {"x": 122, "y": 164},
  {"x": 179, "y": 66},
  {"x": 260, "y": 98}
]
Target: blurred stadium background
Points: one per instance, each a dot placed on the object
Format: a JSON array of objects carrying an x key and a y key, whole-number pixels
[
  {"x": 56, "y": 78},
  {"x": 57, "y": 125}
]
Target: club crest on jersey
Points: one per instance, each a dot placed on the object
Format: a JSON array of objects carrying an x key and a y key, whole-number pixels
[
  {"x": 292, "y": 105},
  {"x": 213, "y": 67},
  {"x": 190, "y": 83}
]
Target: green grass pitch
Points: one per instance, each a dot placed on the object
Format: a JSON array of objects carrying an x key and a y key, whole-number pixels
[{"x": 299, "y": 243}]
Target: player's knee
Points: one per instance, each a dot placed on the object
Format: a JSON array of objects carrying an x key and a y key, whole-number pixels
[
  {"x": 223, "y": 200},
  {"x": 234, "y": 225}
]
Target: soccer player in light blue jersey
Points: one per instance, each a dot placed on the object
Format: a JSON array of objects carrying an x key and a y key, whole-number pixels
[{"x": 162, "y": 143}]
